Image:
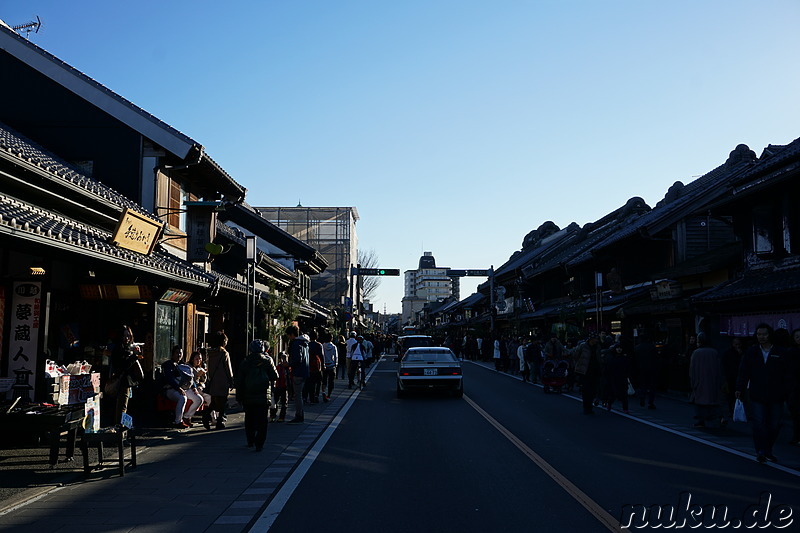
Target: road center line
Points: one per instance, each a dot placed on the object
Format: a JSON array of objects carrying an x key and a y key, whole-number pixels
[{"x": 581, "y": 497}]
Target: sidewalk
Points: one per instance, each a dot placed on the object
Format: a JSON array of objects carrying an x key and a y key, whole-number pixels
[
  {"x": 675, "y": 414},
  {"x": 191, "y": 479}
]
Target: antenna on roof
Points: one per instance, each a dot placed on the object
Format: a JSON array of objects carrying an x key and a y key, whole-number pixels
[
  {"x": 28, "y": 27},
  {"x": 298, "y": 203}
]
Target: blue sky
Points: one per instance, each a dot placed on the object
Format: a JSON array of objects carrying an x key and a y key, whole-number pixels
[{"x": 454, "y": 127}]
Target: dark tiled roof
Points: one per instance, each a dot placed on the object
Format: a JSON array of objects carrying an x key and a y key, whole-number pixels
[
  {"x": 772, "y": 282},
  {"x": 13, "y": 145},
  {"x": 28, "y": 222}
]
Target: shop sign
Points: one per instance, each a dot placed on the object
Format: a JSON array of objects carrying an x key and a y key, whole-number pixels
[
  {"x": 665, "y": 290},
  {"x": 75, "y": 389},
  {"x": 137, "y": 232},
  {"x": 176, "y": 296},
  {"x": 201, "y": 225},
  {"x": 23, "y": 342}
]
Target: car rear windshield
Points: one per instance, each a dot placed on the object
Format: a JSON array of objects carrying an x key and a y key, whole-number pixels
[
  {"x": 429, "y": 355},
  {"x": 413, "y": 342}
]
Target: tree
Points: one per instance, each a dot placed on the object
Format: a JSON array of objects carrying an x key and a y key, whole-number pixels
[{"x": 369, "y": 284}]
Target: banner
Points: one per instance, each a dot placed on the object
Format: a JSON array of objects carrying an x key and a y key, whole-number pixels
[{"x": 23, "y": 336}]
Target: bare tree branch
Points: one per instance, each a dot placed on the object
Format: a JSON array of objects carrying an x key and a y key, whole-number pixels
[{"x": 369, "y": 284}]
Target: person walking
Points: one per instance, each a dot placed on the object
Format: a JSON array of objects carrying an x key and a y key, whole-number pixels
[
  {"x": 330, "y": 360},
  {"x": 220, "y": 378},
  {"x": 497, "y": 355},
  {"x": 298, "y": 364},
  {"x": 313, "y": 384},
  {"x": 794, "y": 394},
  {"x": 707, "y": 379},
  {"x": 765, "y": 373},
  {"x": 341, "y": 351},
  {"x": 588, "y": 366},
  {"x": 254, "y": 380},
  {"x": 280, "y": 390}
]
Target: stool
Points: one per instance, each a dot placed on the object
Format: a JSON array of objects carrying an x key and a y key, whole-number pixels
[{"x": 98, "y": 439}]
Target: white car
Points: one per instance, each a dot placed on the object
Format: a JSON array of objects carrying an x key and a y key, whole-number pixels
[{"x": 429, "y": 368}]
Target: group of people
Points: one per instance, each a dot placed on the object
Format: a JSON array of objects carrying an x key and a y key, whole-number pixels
[
  {"x": 264, "y": 384},
  {"x": 767, "y": 373},
  {"x": 197, "y": 383}
]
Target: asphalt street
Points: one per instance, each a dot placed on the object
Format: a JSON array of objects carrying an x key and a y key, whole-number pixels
[{"x": 506, "y": 457}]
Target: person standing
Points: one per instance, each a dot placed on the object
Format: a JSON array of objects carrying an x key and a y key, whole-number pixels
[
  {"x": 764, "y": 372},
  {"x": 298, "y": 363},
  {"x": 497, "y": 355},
  {"x": 794, "y": 395},
  {"x": 646, "y": 356},
  {"x": 220, "y": 377},
  {"x": 731, "y": 358},
  {"x": 341, "y": 350},
  {"x": 254, "y": 381},
  {"x": 313, "y": 384},
  {"x": 617, "y": 371},
  {"x": 706, "y": 378},
  {"x": 331, "y": 358},
  {"x": 524, "y": 367},
  {"x": 127, "y": 369},
  {"x": 588, "y": 365}
]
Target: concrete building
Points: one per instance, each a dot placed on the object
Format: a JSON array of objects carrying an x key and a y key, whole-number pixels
[
  {"x": 427, "y": 284},
  {"x": 332, "y": 232}
]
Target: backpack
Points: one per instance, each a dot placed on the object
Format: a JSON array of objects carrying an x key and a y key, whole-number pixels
[{"x": 257, "y": 380}]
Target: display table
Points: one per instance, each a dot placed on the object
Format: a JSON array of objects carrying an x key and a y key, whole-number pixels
[
  {"x": 117, "y": 438},
  {"x": 55, "y": 421}
]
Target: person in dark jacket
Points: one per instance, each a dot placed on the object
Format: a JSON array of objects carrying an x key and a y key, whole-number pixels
[
  {"x": 646, "y": 357},
  {"x": 765, "y": 373},
  {"x": 254, "y": 379},
  {"x": 588, "y": 365},
  {"x": 298, "y": 363},
  {"x": 128, "y": 370},
  {"x": 616, "y": 370}
]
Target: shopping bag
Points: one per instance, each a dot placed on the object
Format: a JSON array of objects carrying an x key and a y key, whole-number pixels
[
  {"x": 631, "y": 390},
  {"x": 738, "y": 412}
]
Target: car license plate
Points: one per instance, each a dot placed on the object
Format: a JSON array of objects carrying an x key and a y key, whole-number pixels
[{"x": 431, "y": 371}]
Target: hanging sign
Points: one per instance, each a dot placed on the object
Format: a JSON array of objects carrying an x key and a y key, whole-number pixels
[{"x": 137, "y": 232}]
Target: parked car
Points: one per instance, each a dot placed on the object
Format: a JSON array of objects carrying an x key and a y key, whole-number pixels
[
  {"x": 413, "y": 341},
  {"x": 429, "y": 368}
]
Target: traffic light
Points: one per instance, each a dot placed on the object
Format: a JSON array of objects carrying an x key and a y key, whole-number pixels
[{"x": 379, "y": 271}]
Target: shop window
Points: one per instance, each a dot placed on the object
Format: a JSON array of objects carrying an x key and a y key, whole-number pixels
[
  {"x": 763, "y": 231},
  {"x": 169, "y": 330}
]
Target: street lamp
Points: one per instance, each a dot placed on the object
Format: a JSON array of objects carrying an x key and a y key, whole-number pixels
[{"x": 250, "y": 252}]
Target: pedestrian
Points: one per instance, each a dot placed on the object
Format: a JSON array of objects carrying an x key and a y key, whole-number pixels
[
  {"x": 254, "y": 379},
  {"x": 617, "y": 372},
  {"x": 646, "y": 357},
  {"x": 357, "y": 362},
  {"x": 794, "y": 394},
  {"x": 330, "y": 359},
  {"x": 341, "y": 350},
  {"x": 524, "y": 366},
  {"x": 220, "y": 378},
  {"x": 588, "y": 365},
  {"x": 765, "y": 373},
  {"x": 313, "y": 384},
  {"x": 497, "y": 355},
  {"x": 127, "y": 369},
  {"x": 280, "y": 392},
  {"x": 731, "y": 358},
  {"x": 707, "y": 379},
  {"x": 298, "y": 364}
]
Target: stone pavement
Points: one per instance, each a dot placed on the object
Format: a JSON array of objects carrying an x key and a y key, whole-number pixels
[{"x": 186, "y": 480}]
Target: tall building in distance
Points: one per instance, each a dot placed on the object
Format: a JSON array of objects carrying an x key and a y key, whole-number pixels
[
  {"x": 332, "y": 231},
  {"x": 427, "y": 284}
]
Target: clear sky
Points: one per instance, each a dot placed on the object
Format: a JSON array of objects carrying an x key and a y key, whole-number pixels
[{"x": 453, "y": 126}]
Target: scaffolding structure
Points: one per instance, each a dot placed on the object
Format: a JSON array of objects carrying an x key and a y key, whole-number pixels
[{"x": 332, "y": 232}]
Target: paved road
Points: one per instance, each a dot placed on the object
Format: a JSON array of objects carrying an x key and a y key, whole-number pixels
[
  {"x": 511, "y": 458},
  {"x": 506, "y": 457}
]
